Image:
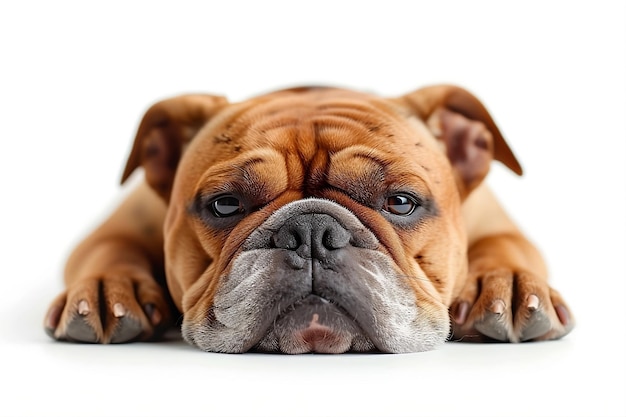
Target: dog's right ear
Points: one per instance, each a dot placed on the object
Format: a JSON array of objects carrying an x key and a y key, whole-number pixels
[{"x": 163, "y": 132}]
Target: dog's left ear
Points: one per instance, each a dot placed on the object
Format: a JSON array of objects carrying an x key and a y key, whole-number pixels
[
  {"x": 164, "y": 131},
  {"x": 462, "y": 122}
]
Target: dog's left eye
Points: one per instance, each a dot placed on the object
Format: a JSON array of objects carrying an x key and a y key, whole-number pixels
[
  {"x": 226, "y": 206},
  {"x": 400, "y": 204}
]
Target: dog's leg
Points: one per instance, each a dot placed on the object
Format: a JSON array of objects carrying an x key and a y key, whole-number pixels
[
  {"x": 506, "y": 295},
  {"x": 111, "y": 293}
]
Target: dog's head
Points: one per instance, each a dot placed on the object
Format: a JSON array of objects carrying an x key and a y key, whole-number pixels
[{"x": 317, "y": 219}]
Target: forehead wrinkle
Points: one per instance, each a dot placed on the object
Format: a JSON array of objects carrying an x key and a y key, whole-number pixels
[
  {"x": 379, "y": 172},
  {"x": 335, "y": 132},
  {"x": 244, "y": 172},
  {"x": 244, "y": 168},
  {"x": 372, "y": 157}
]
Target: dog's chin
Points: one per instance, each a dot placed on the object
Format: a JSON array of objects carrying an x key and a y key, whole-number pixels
[{"x": 315, "y": 325}]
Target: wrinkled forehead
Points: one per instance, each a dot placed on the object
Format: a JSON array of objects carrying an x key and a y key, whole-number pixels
[
  {"x": 314, "y": 119},
  {"x": 315, "y": 131},
  {"x": 310, "y": 141}
]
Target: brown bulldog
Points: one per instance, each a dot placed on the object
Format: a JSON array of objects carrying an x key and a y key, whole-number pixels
[{"x": 312, "y": 220}]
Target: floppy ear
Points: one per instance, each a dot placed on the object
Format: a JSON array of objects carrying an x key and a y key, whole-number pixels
[
  {"x": 460, "y": 120},
  {"x": 163, "y": 132}
]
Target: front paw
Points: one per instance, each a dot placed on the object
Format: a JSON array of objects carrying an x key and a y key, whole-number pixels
[
  {"x": 509, "y": 306},
  {"x": 110, "y": 308}
]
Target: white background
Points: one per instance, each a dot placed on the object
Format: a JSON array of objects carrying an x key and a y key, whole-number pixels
[{"x": 75, "y": 78}]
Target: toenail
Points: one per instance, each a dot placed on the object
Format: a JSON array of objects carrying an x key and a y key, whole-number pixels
[
  {"x": 153, "y": 313},
  {"x": 83, "y": 307},
  {"x": 532, "y": 302},
  {"x": 119, "y": 310},
  {"x": 460, "y": 314},
  {"x": 563, "y": 315},
  {"x": 53, "y": 317},
  {"x": 498, "y": 307}
]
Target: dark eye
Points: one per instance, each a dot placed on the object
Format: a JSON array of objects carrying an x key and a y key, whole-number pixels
[
  {"x": 226, "y": 206},
  {"x": 400, "y": 204}
]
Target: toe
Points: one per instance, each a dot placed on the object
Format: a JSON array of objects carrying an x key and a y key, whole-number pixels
[
  {"x": 537, "y": 324},
  {"x": 79, "y": 329},
  {"x": 493, "y": 322},
  {"x": 53, "y": 316},
  {"x": 128, "y": 329}
]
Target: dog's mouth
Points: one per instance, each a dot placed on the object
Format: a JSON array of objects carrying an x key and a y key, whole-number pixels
[{"x": 315, "y": 324}]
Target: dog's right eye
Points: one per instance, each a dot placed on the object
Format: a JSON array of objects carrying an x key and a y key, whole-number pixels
[
  {"x": 226, "y": 206},
  {"x": 400, "y": 205}
]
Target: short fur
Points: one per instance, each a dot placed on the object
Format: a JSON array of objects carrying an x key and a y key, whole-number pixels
[{"x": 312, "y": 220}]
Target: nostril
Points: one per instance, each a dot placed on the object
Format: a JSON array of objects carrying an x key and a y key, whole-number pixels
[
  {"x": 335, "y": 238},
  {"x": 285, "y": 239},
  {"x": 327, "y": 239}
]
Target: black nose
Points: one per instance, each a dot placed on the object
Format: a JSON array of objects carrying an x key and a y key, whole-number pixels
[{"x": 311, "y": 236}]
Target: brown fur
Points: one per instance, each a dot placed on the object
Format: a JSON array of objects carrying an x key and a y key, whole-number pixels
[{"x": 324, "y": 143}]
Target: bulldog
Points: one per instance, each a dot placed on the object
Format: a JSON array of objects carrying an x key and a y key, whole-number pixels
[{"x": 312, "y": 219}]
